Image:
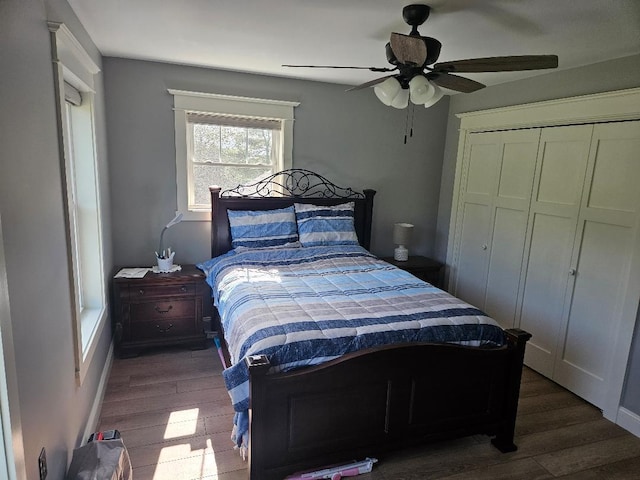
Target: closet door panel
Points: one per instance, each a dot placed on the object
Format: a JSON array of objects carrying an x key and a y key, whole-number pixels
[
  {"x": 545, "y": 287},
  {"x": 590, "y": 329},
  {"x": 495, "y": 204},
  {"x": 563, "y": 166},
  {"x": 606, "y": 244},
  {"x": 510, "y": 214},
  {"x": 481, "y": 164},
  {"x": 518, "y": 165},
  {"x": 472, "y": 266},
  {"x": 558, "y": 185},
  {"x": 615, "y": 173},
  {"x": 504, "y": 268}
]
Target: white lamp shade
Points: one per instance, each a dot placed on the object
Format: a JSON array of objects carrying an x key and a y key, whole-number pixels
[
  {"x": 402, "y": 233},
  {"x": 421, "y": 90},
  {"x": 438, "y": 94},
  {"x": 387, "y": 90},
  {"x": 401, "y": 237},
  {"x": 401, "y": 100}
]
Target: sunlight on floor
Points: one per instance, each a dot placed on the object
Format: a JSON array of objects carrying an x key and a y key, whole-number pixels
[
  {"x": 177, "y": 462},
  {"x": 182, "y": 423},
  {"x": 187, "y": 452}
]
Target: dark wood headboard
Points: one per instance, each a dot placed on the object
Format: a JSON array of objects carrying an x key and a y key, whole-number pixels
[{"x": 281, "y": 190}]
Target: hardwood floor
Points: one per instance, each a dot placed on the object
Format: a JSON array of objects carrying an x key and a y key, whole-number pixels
[{"x": 174, "y": 415}]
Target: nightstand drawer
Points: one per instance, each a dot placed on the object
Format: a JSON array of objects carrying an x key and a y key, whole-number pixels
[
  {"x": 145, "y": 291},
  {"x": 159, "y": 329},
  {"x": 141, "y": 312}
]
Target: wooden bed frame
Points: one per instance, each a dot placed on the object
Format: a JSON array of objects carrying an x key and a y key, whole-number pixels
[{"x": 368, "y": 402}]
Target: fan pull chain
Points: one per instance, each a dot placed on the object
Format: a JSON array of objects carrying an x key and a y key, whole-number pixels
[
  {"x": 412, "y": 114},
  {"x": 408, "y": 125}
]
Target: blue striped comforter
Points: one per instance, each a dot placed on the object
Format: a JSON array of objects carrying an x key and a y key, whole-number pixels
[{"x": 305, "y": 306}]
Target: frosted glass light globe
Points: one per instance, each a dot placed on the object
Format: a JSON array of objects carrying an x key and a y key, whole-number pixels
[
  {"x": 401, "y": 100},
  {"x": 421, "y": 90},
  {"x": 436, "y": 96},
  {"x": 387, "y": 90}
]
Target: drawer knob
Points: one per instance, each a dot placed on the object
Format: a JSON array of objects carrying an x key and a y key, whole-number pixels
[
  {"x": 163, "y": 330},
  {"x": 141, "y": 292},
  {"x": 183, "y": 288},
  {"x": 160, "y": 310}
]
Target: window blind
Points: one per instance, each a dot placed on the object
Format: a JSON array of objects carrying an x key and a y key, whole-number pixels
[
  {"x": 72, "y": 94},
  {"x": 233, "y": 121}
]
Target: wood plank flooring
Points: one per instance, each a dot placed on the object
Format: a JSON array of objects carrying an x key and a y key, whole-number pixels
[{"x": 174, "y": 415}]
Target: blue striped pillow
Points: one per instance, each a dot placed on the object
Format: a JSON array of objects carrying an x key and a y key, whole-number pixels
[
  {"x": 262, "y": 228},
  {"x": 325, "y": 225}
]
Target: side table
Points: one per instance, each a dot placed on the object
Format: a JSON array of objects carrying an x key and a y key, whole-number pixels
[
  {"x": 424, "y": 268},
  {"x": 159, "y": 309}
]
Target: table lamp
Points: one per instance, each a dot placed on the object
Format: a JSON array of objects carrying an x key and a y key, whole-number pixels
[
  {"x": 165, "y": 260},
  {"x": 401, "y": 237}
]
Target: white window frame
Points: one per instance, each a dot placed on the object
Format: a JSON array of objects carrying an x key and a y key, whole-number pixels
[
  {"x": 12, "y": 465},
  {"x": 215, "y": 104},
  {"x": 74, "y": 66}
]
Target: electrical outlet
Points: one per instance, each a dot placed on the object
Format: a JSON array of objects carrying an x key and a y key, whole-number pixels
[{"x": 42, "y": 464}]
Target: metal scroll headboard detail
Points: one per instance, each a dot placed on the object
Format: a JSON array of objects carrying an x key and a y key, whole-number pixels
[{"x": 294, "y": 182}]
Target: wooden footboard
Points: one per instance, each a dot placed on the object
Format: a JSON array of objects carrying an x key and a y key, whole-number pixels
[{"x": 366, "y": 403}]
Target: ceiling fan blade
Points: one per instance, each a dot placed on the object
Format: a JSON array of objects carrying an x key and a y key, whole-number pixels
[
  {"x": 499, "y": 64},
  {"x": 370, "y": 83},
  {"x": 454, "y": 82},
  {"x": 408, "y": 49},
  {"x": 373, "y": 69}
]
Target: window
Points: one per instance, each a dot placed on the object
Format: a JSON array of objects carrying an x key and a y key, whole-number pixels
[
  {"x": 227, "y": 141},
  {"x": 229, "y": 151},
  {"x": 74, "y": 79}
]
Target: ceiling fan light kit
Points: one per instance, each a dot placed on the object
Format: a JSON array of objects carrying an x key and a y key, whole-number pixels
[
  {"x": 387, "y": 90},
  {"x": 419, "y": 77},
  {"x": 420, "y": 91}
]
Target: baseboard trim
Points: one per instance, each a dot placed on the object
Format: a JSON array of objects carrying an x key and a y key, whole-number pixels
[
  {"x": 94, "y": 415},
  {"x": 629, "y": 421}
]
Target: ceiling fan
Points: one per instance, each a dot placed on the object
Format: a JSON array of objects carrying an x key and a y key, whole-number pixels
[{"x": 418, "y": 77}]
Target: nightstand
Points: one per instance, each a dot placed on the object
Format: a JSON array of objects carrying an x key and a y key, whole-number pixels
[
  {"x": 159, "y": 309},
  {"x": 424, "y": 268}
]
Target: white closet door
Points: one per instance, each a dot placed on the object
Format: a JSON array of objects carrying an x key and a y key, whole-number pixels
[
  {"x": 511, "y": 204},
  {"x": 557, "y": 192},
  {"x": 482, "y": 156},
  {"x": 496, "y": 198},
  {"x": 605, "y": 246}
]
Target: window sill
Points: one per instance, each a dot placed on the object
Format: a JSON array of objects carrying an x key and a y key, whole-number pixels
[
  {"x": 92, "y": 323},
  {"x": 197, "y": 215}
]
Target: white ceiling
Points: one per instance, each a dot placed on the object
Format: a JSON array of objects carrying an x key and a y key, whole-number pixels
[{"x": 258, "y": 36}]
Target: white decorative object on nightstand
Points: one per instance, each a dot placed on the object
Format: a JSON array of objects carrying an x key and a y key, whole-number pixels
[{"x": 401, "y": 237}]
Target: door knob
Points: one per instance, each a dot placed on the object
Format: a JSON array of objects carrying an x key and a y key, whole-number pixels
[{"x": 572, "y": 271}]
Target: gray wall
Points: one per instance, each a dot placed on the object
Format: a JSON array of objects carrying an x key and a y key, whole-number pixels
[
  {"x": 351, "y": 138},
  {"x": 606, "y": 76},
  {"x": 54, "y": 409}
]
